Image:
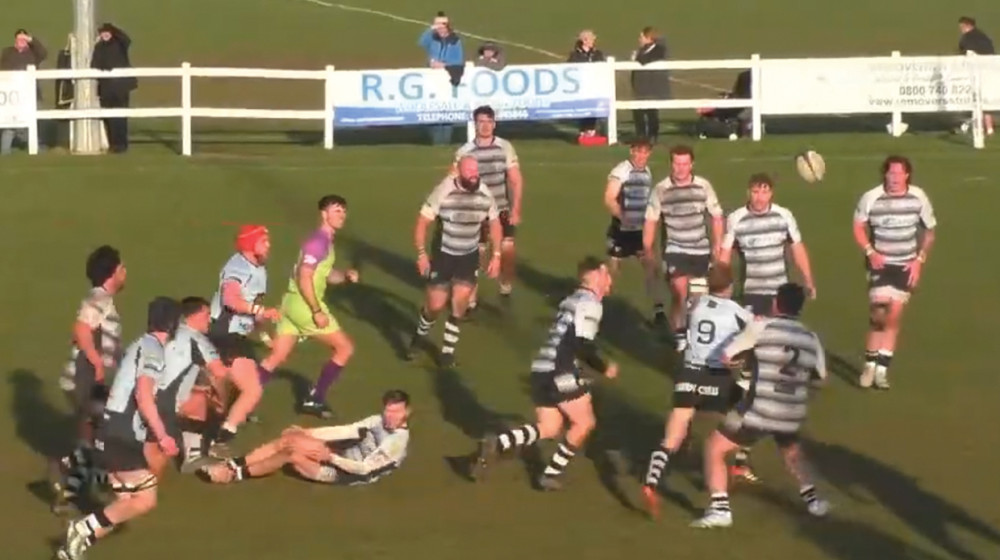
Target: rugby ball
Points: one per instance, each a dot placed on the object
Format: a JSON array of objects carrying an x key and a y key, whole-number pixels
[{"x": 810, "y": 166}]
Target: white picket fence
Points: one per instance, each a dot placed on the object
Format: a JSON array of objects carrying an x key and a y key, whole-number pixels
[{"x": 761, "y": 102}]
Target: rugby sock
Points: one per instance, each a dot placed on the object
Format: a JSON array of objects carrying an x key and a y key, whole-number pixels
[
  {"x": 192, "y": 445},
  {"x": 79, "y": 471},
  {"x": 264, "y": 374},
  {"x": 451, "y": 333},
  {"x": 329, "y": 374},
  {"x": 742, "y": 458},
  {"x": 658, "y": 310},
  {"x": 808, "y": 494},
  {"x": 424, "y": 324},
  {"x": 239, "y": 467},
  {"x": 719, "y": 502},
  {"x": 506, "y": 289},
  {"x": 92, "y": 523},
  {"x": 659, "y": 460},
  {"x": 560, "y": 459},
  {"x": 884, "y": 359},
  {"x": 680, "y": 336},
  {"x": 871, "y": 358},
  {"x": 522, "y": 436}
]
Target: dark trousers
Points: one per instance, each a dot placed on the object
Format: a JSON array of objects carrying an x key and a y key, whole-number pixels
[
  {"x": 117, "y": 127},
  {"x": 647, "y": 123}
]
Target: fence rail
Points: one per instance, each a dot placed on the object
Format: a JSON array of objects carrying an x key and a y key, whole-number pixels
[{"x": 890, "y": 85}]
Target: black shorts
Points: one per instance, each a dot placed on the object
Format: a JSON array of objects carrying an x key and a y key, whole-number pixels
[
  {"x": 624, "y": 244},
  {"x": 454, "y": 269},
  {"x": 120, "y": 455},
  {"x": 891, "y": 282},
  {"x": 232, "y": 346},
  {"x": 549, "y": 389},
  {"x": 509, "y": 231},
  {"x": 690, "y": 266},
  {"x": 704, "y": 389},
  {"x": 761, "y": 305},
  {"x": 734, "y": 430}
]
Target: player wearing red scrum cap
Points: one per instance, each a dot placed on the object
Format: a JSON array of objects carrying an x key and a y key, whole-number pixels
[{"x": 237, "y": 308}]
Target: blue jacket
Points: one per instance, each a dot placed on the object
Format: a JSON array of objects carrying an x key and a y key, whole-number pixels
[{"x": 447, "y": 50}]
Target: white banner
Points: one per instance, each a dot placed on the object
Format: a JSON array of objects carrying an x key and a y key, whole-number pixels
[
  {"x": 423, "y": 95},
  {"x": 877, "y": 85},
  {"x": 18, "y": 100}
]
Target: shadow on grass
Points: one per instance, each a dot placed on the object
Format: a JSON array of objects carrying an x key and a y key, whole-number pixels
[
  {"x": 925, "y": 513},
  {"x": 842, "y": 368}
]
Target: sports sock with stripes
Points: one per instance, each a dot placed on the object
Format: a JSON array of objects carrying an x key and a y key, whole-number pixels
[
  {"x": 521, "y": 436},
  {"x": 808, "y": 494},
  {"x": 719, "y": 502},
  {"x": 560, "y": 459},
  {"x": 424, "y": 324},
  {"x": 884, "y": 359},
  {"x": 451, "y": 334},
  {"x": 659, "y": 461}
]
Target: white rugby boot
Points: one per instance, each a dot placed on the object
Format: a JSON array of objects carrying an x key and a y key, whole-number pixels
[
  {"x": 714, "y": 518},
  {"x": 867, "y": 375}
]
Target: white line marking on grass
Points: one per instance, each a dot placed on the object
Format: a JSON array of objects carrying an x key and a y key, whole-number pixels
[{"x": 531, "y": 48}]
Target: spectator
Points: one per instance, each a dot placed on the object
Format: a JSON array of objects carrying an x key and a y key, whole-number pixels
[
  {"x": 491, "y": 56},
  {"x": 65, "y": 93},
  {"x": 973, "y": 39},
  {"x": 444, "y": 50},
  {"x": 585, "y": 50},
  {"x": 649, "y": 84},
  {"x": 27, "y": 51},
  {"x": 110, "y": 52}
]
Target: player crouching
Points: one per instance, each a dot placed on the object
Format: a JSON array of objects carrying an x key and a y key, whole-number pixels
[{"x": 351, "y": 454}]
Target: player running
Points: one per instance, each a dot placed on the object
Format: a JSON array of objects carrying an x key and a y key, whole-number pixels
[
  {"x": 557, "y": 388},
  {"x": 626, "y": 196},
  {"x": 501, "y": 174},
  {"x": 462, "y": 206},
  {"x": 131, "y": 418},
  {"x": 894, "y": 225},
  {"x": 705, "y": 384},
  {"x": 96, "y": 349},
  {"x": 304, "y": 313},
  {"x": 236, "y": 309},
  {"x": 681, "y": 202},
  {"x": 787, "y": 356},
  {"x": 352, "y": 454}
]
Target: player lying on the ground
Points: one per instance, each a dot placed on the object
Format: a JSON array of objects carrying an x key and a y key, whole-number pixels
[{"x": 358, "y": 453}]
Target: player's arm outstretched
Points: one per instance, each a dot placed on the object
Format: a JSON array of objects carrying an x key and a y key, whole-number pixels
[{"x": 587, "y": 322}]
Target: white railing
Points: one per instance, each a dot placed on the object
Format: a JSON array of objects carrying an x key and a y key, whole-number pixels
[{"x": 890, "y": 85}]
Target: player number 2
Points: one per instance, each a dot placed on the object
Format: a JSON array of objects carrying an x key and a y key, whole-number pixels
[
  {"x": 790, "y": 369},
  {"x": 706, "y": 331}
]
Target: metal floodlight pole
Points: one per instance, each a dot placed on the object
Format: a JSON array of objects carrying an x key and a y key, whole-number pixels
[{"x": 86, "y": 133}]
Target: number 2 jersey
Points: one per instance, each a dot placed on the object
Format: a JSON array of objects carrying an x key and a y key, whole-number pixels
[
  {"x": 787, "y": 356},
  {"x": 712, "y": 324}
]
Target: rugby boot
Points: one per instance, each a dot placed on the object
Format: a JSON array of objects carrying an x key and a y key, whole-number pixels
[
  {"x": 489, "y": 450},
  {"x": 818, "y": 507},
  {"x": 652, "y": 499},
  {"x": 867, "y": 376},
  {"x": 549, "y": 483},
  {"x": 446, "y": 361},
  {"x": 744, "y": 473},
  {"x": 714, "y": 518},
  {"x": 315, "y": 408}
]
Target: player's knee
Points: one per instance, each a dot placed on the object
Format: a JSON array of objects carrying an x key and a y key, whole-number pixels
[
  {"x": 583, "y": 424},
  {"x": 878, "y": 316},
  {"x": 343, "y": 348},
  {"x": 549, "y": 428}
]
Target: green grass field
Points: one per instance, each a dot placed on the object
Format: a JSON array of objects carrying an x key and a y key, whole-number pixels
[{"x": 909, "y": 471}]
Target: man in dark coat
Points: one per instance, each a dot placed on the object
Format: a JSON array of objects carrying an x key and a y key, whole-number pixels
[
  {"x": 27, "y": 51},
  {"x": 975, "y": 40},
  {"x": 585, "y": 50},
  {"x": 649, "y": 84},
  {"x": 110, "y": 52}
]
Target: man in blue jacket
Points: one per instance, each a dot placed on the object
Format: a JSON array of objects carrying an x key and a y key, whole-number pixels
[{"x": 444, "y": 51}]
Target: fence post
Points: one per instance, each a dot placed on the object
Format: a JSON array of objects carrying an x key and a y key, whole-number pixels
[
  {"x": 470, "y": 125},
  {"x": 978, "y": 134},
  {"x": 186, "y": 109},
  {"x": 33, "y": 116},
  {"x": 897, "y": 127},
  {"x": 613, "y": 109},
  {"x": 329, "y": 108},
  {"x": 756, "y": 89}
]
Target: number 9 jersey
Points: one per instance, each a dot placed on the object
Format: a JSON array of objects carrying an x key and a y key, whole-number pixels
[{"x": 713, "y": 323}]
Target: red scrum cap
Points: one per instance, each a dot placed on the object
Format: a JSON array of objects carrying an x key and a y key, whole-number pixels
[{"x": 249, "y": 235}]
